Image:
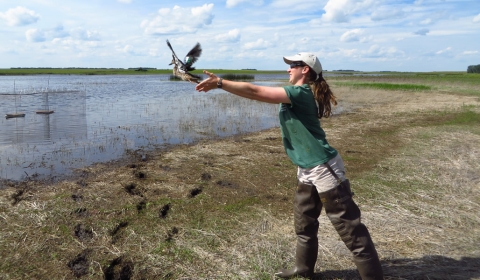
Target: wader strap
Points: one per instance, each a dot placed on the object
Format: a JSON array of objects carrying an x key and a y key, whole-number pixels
[
  {"x": 333, "y": 172},
  {"x": 345, "y": 184}
]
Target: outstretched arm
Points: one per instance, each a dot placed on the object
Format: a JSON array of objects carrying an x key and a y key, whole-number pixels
[{"x": 247, "y": 90}]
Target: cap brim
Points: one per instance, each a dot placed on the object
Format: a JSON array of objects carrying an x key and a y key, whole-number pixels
[{"x": 290, "y": 59}]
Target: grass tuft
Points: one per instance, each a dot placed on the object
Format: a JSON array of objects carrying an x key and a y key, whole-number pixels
[{"x": 465, "y": 116}]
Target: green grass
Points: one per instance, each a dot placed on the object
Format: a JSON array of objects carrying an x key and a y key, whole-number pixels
[
  {"x": 465, "y": 116},
  {"x": 386, "y": 86},
  {"x": 443, "y": 82}
]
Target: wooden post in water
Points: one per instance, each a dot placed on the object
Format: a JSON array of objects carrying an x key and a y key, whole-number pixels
[
  {"x": 46, "y": 110},
  {"x": 16, "y": 114}
]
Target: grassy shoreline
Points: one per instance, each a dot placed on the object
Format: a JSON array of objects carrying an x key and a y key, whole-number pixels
[{"x": 222, "y": 209}]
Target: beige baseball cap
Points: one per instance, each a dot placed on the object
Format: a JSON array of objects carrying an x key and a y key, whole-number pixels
[{"x": 308, "y": 58}]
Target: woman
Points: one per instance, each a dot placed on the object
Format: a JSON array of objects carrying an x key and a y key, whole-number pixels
[{"x": 321, "y": 172}]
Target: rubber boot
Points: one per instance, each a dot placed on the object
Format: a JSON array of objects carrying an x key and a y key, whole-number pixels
[
  {"x": 304, "y": 263},
  {"x": 346, "y": 218},
  {"x": 307, "y": 208},
  {"x": 369, "y": 269}
]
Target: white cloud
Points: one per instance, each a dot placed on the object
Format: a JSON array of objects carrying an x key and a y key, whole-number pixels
[
  {"x": 128, "y": 49},
  {"x": 225, "y": 49},
  {"x": 179, "y": 20},
  {"x": 19, "y": 16},
  {"x": 422, "y": 32},
  {"x": 260, "y": 44},
  {"x": 444, "y": 51},
  {"x": 295, "y": 5},
  {"x": 389, "y": 52},
  {"x": 125, "y": 1},
  {"x": 375, "y": 52},
  {"x": 355, "y": 35},
  {"x": 35, "y": 35},
  {"x": 233, "y": 3},
  {"x": 386, "y": 13},
  {"x": 236, "y": 37},
  {"x": 231, "y": 36},
  {"x": 426, "y": 21},
  {"x": 341, "y": 10},
  {"x": 82, "y": 34},
  {"x": 57, "y": 32},
  {"x": 477, "y": 18}
]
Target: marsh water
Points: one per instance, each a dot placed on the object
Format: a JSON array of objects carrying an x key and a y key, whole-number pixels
[{"x": 101, "y": 118}]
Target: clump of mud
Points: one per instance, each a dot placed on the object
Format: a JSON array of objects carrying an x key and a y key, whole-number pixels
[
  {"x": 83, "y": 234},
  {"x": 119, "y": 268},
  {"x": 194, "y": 192},
  {"x": 164, "y": 211},
  {"x": 80, "y": 264},
  {"x": 133, "y": 190}
]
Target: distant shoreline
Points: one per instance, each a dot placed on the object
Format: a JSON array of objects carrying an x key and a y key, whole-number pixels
[
  {"x": 23, "y": 71},
  {"x": 118, "y": 71}
]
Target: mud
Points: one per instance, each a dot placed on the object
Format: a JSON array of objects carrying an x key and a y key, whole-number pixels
[
  {"x": 80, "y": 264},
  {"x": 82, "y": 233},
  {"x": 119, "y": 269}
]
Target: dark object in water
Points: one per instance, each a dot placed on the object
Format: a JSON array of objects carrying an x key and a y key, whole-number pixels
[{"x": 14, "y": 115}]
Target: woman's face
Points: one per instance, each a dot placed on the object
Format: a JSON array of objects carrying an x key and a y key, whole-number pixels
[{"x": 296, "y": 71}]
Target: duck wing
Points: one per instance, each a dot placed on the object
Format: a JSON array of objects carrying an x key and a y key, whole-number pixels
[
  {"x": 192, "y": 57},
  {"x": 178, "y": 62}
]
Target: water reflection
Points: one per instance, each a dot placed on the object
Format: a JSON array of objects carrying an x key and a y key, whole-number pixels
[{"x": 99, "y": 118}]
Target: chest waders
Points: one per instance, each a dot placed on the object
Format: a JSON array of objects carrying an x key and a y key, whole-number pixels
[{"x": 345, "y": 217}]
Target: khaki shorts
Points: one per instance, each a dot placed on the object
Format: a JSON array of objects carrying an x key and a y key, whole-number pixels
[{"x": 321, "y": 177}]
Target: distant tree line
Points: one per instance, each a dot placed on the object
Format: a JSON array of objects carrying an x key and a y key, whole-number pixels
[
  {"x": 473, "y": 69},
  {"x": 135, "y": 68}
]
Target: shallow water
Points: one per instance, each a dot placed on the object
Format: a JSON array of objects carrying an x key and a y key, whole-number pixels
[{"x": 100, "y": 118}]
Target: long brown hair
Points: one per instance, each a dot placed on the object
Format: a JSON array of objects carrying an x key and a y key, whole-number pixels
[{"x": 322, "y": 94}]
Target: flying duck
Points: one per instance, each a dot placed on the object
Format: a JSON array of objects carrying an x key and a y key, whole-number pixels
[{"x": 181, "y": 68}]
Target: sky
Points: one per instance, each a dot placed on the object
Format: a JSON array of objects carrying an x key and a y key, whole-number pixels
[{"x": 362, "y": 35}]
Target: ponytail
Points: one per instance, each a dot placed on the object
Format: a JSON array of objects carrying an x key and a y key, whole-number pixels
[{"x": 322, "y": 94}]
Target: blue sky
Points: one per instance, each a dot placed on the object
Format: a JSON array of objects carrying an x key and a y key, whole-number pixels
[{"x": 364, "y": 35}]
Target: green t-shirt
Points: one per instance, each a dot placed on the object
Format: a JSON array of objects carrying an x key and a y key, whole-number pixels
[{"x": 303, "y": 138}]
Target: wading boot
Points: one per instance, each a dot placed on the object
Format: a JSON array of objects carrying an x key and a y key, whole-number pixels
[
  {"x": 369, "y": 269},
  {"x": 345, "y": 217},
  {"x": 307, "y": 207}
]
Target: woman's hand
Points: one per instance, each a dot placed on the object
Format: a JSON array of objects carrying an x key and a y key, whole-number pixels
[{"x": 209, "y": 83}]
